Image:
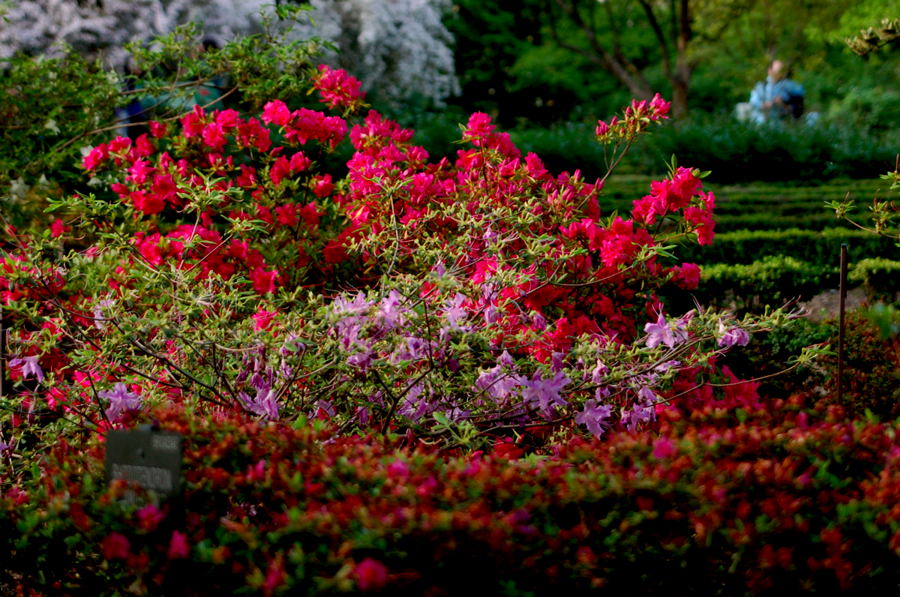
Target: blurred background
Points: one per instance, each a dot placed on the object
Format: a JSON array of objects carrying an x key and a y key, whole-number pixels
[{"x": 546, "y": 70}]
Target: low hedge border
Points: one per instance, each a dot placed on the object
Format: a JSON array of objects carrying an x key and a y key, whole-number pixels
[
  {"x": 777, "y": 278},
  {"x": 814, "y": 246},
  {"x": 715, "y": 501}
]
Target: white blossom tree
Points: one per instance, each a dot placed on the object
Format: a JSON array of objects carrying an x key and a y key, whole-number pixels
[
  {"x": 103, "y": 27},
  {"x": 398, "y": 48}
]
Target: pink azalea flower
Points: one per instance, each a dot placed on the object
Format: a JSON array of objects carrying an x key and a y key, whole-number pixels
[
  {"x": 178, "y": 546},
  {"x": 370, "y": 575}
]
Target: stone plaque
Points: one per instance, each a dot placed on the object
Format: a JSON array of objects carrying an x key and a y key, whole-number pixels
[{"x": 147, "y": 457}]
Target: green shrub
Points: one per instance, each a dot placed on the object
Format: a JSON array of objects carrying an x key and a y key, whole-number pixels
[
  {"x": 735, "y": 222},
  {"x": 814, "y": 246},
  {"x": 766, "y": 355},
  {"x": 880, "y": 277},
  {"x": 773, "y": 280},
  {"x": 568, "y": 146},
  {"x": 738, "y": 151}
]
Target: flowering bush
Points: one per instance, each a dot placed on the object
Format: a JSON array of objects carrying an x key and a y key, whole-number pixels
[
  {"x": 463, "y": 299},
  {"x": 718, "y": 500}
]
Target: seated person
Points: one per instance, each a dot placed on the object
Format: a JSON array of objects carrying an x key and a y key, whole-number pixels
[{"x": 776, "y": 98}]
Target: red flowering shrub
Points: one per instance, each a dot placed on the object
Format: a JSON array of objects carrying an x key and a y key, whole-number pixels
[
  {"x": 716, "y": 502},
  {"x": 463, "y": 298}
]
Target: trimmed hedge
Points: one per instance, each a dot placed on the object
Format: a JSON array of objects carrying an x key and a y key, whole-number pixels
[
  {"x": 762, "y": 220},
  {"x": 774, "y": 279},
  {"x": 880, "y": 277},
  {"x": 747, "y": 246},
  {"x": 720, "y": 501}
]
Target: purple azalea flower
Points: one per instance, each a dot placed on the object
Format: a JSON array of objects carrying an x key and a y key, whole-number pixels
[
  {"x": 413, "y": 350},
  {"x": 30, "y": 366},
  {"x": 663, "y": 332},
  {"x": 637, "y": 415},
  {"x": 358, "y": 306},
  {"x": 263, "y": 404},
  {"x": 348, "y": 331},
  {"x": 285, "y": 371},
  {"x": 120, "y": 401},
  {"x": 545, "y": 393},
  {"x": 501, "y": 381},
  {"x": 415, "y": 405},
  {"x": 361, "y": 360},
  {"x": 389, "y": 313},
  {"x": 666, "y": 365},
  {"x": 595, "y": 417},
  {"x": 647, "y": 396},
  {"x": 99, "y": 317},
  {"x": 325, "y": 406},
  {"x": 497, "y": 383},
  {"x": 262, "y": 382},
  {"x": 454, "y": 311},
  {"x": 599, "y": 372},
  {"x": 557, "y": 361},
  {"x": 732, "y": 336},
  {"x": 292, "y": 345},
  {"x": 491, "y": 315}
]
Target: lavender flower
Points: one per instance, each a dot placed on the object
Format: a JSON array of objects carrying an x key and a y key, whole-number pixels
[
  {"x": 120, "y": 401},
  {"x": 99, "y": 317},
  {"x": 415, "y": 405},
  {"x": 348, "y": 332},
  {"x": 647, "y": 396},
  {"x": 414, "y": 349},
  {"x": 595, "y": 417},
  {"x": 501, "y": 381},
  {"x": 633, "y": 418},
  {"x": 663, "y": 332},
  {"x": 30, "y": 366},
  {"x": 292, "y": 345},
  {"x": 455, "y": 312},
  {"x": 389, "y": 313},
  {"x": 361, "y": 360},
  {"x": 599, "y": 372},
  {"x": 732, "y": 336},
  {"x": 263, "y": 404},
  {"x": 491, "y": 315},
  {"x": 358, "y": 306},
  {"x": 545, "y": 393}
]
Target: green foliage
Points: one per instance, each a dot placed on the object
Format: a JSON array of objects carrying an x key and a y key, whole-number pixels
[
  {"x": 54, "y": 109},
  {"x": 747, "y": 246},
  {"x": 880, "y": 277},
  {"x": 772, "y": 280},
  {"x": 564, "y": 145},
  {"x": 739, "y": 151},
  {"x": 50, "y": 109}
]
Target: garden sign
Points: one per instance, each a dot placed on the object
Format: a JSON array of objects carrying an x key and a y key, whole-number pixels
[{"x": 146, "y": 456}]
